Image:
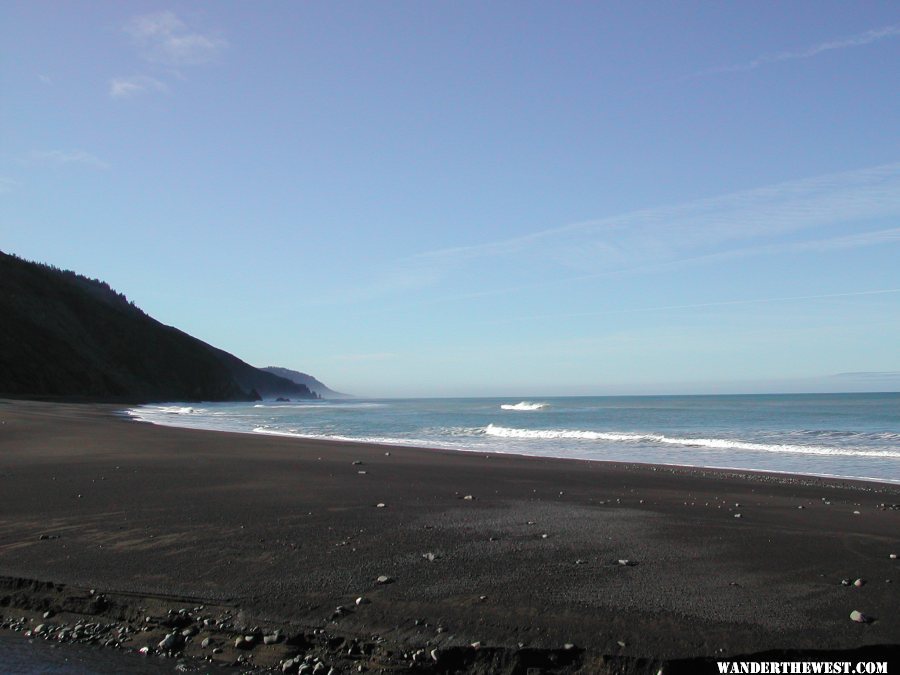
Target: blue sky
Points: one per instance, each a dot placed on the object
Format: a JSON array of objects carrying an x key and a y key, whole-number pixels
[{"x": 510, "y": 198}]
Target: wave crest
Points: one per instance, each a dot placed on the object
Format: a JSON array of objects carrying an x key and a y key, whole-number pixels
[
  {"x": 711, "y": 443},
  {"x": 523, "y": 406}
]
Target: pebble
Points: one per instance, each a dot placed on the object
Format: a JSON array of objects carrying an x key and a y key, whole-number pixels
[
  {"x": 384, "y": 579},
  {"x": 568, "y": 646},
  {"x": 361, "y": 473},
  {"x": 475, "y": 645},
  {"x": 270, "y": 639},
  {"x": 380, "y": 505},
  {"x": 737, "y": 515},
  {"x": 205, "y": 643},
  {"x": 169, "y": 642},
  {"x": 468, "y": 498},
  {"x": 357, "y": 463},
  {"x": 430, "y": 557},
  {"x": 627, "y": 563},
  {"x": 859, "y": 583},
  {"x": 363, "y": 601},
  {"x": 893, "y": 556},
  {"x": 545, "y": 535},
  {"x": 858, "y": 617}
]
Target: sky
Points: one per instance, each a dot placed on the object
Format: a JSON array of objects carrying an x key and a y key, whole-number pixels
[{"x": 470, "y": 198}]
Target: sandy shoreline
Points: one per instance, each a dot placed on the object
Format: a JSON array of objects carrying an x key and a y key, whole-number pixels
[{"x": 285, "y": 530}]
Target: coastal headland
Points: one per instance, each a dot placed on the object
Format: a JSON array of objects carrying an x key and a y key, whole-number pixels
[{"x": 282, "y": 550}]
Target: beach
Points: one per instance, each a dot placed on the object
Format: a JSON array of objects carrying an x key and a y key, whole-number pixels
[{"x": 566, "y": 564}]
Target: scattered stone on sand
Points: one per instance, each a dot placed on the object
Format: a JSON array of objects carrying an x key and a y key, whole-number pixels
[
  {"x": 384, "y": 579},
  {"x": 859, "y": 583},
  {"x": 859, "y": 617},
  {"x": 737, "y": 515},
  {"x": 363, "y": 601},
  {"x": 169, "y": 642}
]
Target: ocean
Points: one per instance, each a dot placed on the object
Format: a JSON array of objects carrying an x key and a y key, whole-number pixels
[{"x": 846, "y": 435}]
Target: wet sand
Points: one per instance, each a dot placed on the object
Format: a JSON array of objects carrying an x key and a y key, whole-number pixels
[{"x": 285, "y": 530}]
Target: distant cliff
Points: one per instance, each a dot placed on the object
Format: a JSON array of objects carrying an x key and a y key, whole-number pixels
[
  {"x": 63, "y": 335},
  {"x": 307, "y": 380}
]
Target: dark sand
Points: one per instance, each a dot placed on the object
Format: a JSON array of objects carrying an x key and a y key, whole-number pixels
[{"x": 286, "y": 530}]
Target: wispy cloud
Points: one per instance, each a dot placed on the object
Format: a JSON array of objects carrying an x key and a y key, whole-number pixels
[
  {"x": 815, "y": 214},
  {"x": 8, "y": 184},
  {"x": 59, "y": 158},
  {"x": 702, "y": 305},
  {"x": 858, "y": 40},
  {"x": 126, "y": 87},
  {"x": 163, "y": 38}
]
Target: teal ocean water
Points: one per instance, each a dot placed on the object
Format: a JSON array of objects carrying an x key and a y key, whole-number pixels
[{"x": 850, "y": 435}]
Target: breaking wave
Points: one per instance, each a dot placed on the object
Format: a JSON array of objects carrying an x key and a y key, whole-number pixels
[
  {"x": 523, "y": 406},
  {"x": 711, "y": 443}
]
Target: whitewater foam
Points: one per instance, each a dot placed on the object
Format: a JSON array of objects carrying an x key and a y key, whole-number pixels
[
  {"x": 711, "y": 443},
  {"x": 524, "y": 406}
]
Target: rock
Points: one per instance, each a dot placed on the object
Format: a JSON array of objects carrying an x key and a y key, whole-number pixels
[
  {"x": 270, "y": 639},
  {"x": 545, "y": 535},
  {"x": 48, "y": 614},
  {"x": 380, "y": 505},
  {"x": 859, "y": 617},
  {"x": 205, "y": 643},
  {"x": 569, "y": 646},
  {"x": 621, "y": 644},
  {"x": 435, "y": 655},
  {"x": 217, "y": 650},
  {"x": 626, "y": 563},
  {"x": 387, "y": 454},
  {"x": 357, "y": 463},
  {"x": 580, "y": 562},
  {"x": 737, "y": 515},
  {"x": 384, "y": 579},
  {"x": 475, "y": 645},
  {"x": 469, "y": 498},
  {"x": 893, "y": 556},
  {"x": 845, "y": 582},
  {"x": 859, "y": 583},
  {"x": 169, "y": 642},
  {"x": 430, "y": 557},
  {"x": 363, "y": 601},
  {"x": 361, "y": 473},
  {"x": 289, "y": 666},
  {"x": 40, "y": 629},
  {"x": 144, "y": 651},
  {"x": 244, "y": 642}
]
